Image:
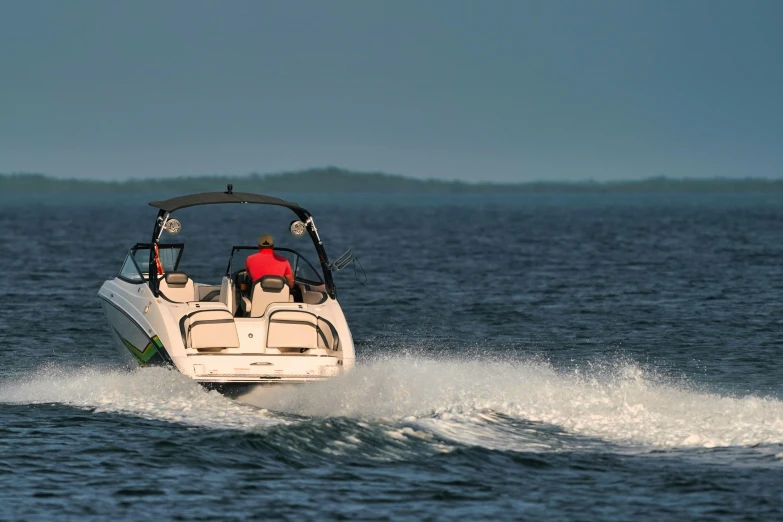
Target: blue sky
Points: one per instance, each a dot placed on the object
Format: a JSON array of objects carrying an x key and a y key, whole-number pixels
[{"x": 483, "y": 90}]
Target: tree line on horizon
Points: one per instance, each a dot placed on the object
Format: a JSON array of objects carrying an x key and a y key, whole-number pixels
[{"x": 337, "y": 180}]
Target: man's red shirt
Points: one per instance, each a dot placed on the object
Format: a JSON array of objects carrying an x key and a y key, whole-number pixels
[{"x": 265, "y": 263}]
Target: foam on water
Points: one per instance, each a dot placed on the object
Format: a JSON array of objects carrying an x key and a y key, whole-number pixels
[
  {"x": 153, "y": 393},
  {"x": 465, "y": 401},
  {"x": 524, "y": 406}
]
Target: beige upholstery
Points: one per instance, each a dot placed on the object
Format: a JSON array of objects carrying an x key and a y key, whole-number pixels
[
  {"x": 176, "y": 278},
  {"x": 292, "y": 330},
  {"x": 177, "y": 287},
  {"x": 327, "y": 335},
  {"x": 266, "y": 291},
  {"x": 210, "y": 330}
]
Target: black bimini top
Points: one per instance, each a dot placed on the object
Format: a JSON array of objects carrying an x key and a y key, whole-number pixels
[{"x": 211, "y": 198}]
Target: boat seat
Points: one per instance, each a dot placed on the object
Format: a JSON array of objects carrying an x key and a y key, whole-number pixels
[
  {"x": 177, "y": 287},
  {"x": 327, "y": 335},
  {"x": 210, "y": 330},
  {"x": 297, "y": 330},
  {"x": 267, "y": 290},
  {"x": 292, "y": 330}
]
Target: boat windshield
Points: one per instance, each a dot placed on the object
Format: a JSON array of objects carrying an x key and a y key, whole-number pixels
[
  {"x": 303, "y": 270},
  {"x": 136, "y": 265}
]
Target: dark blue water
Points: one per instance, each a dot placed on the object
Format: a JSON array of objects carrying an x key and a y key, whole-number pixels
[{"x": 560, "y": 356}]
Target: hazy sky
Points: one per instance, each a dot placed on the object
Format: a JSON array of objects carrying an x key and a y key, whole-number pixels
[{"x": 491, "y": 90}]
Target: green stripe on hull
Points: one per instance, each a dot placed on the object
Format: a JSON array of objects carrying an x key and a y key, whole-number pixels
[{"x": 142, "y": 356}]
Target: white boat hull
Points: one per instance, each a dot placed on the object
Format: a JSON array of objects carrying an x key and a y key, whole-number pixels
[{"x": 147, "y": 331}]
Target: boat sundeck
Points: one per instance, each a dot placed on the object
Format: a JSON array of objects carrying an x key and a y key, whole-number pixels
[{"x": 238, "y": 334}]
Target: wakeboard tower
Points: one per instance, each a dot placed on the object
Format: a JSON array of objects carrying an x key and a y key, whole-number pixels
[{"x": 238, "y": 334}]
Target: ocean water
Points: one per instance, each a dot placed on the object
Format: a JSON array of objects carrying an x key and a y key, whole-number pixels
[{"x": 567, "y": 357}]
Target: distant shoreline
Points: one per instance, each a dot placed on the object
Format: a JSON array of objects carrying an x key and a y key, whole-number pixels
[{"x": 334, "y": 180}]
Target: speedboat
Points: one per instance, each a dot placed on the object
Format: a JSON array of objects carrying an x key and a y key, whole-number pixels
[{"x": 239, "y": 334}]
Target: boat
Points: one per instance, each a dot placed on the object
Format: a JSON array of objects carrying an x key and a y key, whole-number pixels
[{"x": 239, "y": 334}]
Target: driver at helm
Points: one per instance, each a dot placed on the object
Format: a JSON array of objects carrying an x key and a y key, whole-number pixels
[{"x": 266, "y": 262}]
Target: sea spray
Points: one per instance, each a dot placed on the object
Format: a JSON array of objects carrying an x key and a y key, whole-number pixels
[
  {"x": 618, "y": 403},
  {"x": 153, "y": 393},
  {"x": 514, "y": 405}
]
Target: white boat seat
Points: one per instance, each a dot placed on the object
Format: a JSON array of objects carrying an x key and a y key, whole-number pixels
[
  {"x": 177, "y": 287},
  {"x": 327, "y": 335},
  {"x": 292, "y": 330},
  {"x": 211, "y": 330},
  {"x": 297, "y": 330},
  {"x": 265, "y": 291}
]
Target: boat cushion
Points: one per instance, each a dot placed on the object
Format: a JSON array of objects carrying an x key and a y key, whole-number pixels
[
  {"x": 209, "y": 329},
  {"x": 291, "y": 329},
  {"x": 272, "y": 283},
  {"x": 177, "y": 279},
  {"x": 267, "y": 290},
  {"x": 177, "y": 287},
  {"x": 327, "y": 335}
]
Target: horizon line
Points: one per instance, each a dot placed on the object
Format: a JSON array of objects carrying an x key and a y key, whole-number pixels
[{"x": 377, "y": 173}]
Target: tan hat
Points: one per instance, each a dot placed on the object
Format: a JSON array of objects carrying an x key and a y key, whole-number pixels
[{"x": 266, "y": 241}]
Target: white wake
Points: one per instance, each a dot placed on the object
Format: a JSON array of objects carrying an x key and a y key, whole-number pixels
[
  {"x": 461, "y": 400},
  {"x": 152, "y": 393},
  {"x": 490, "y": 404}
]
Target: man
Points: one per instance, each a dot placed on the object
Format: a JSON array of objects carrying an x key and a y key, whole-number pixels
[{"x": 266, "y": 262}]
